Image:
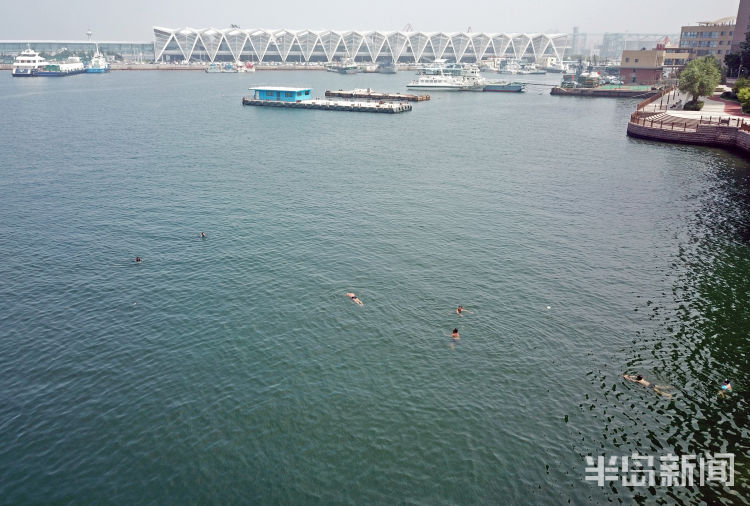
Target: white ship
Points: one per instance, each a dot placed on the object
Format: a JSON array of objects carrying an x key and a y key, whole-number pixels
[
  {"x": 28, "y": 63},
  {"x": 448, "y": 77}
]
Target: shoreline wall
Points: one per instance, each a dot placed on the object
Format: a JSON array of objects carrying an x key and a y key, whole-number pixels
[{"x": 704, "y": 135}]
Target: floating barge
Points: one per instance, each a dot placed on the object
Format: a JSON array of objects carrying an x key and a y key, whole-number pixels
[
  {"x": 368, "y": 94},
  {"x": 301, "y": 98}
]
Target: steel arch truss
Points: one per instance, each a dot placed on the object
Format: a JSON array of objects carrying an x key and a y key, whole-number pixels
[{"x": 189, "y": 44}]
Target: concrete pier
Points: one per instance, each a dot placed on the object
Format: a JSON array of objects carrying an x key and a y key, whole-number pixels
[{"x": 368, "y": 94}]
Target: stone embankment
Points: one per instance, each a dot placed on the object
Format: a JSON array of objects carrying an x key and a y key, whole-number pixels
[
  {"x": 663, "y": 121},
  {"x": 598, "y": 92}
]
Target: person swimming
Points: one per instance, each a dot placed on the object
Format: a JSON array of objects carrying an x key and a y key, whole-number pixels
[
  {"x": 725, "y": 387},
  {"x": 460, "y": 311},
  {"x": 203, "y": 235},
  {"x": 639, "y": 379},
  {"x": 354, "y": 298},
  {"x": 455, "y": 334},
  {"x": 138, "y": 259}
]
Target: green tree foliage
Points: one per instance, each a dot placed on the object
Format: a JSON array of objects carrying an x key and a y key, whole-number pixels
[
  {"x": 744, "y": 97},
  {"x": 738, "y": 63},
  {"x": 732, "y": 61},
  {"x": 740, "y": 83},
  {"x": 700, "y": 77}
]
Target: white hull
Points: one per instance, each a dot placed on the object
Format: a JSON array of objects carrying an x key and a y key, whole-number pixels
[{"x": 436, "y": 87}]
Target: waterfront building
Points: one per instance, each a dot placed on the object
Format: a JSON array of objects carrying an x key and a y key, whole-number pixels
[
  {"x": 708, "y": 38},
  {"x": 675, "y": 59},
  {"x": 644, "y": 66},
  {"x": 142, "y": 52},
  {"x": 326, "y": 46},
  {"x": 742, "y": 24}
]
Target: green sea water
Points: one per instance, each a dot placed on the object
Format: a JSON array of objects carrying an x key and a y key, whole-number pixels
[{"x": 234, "y": 369}]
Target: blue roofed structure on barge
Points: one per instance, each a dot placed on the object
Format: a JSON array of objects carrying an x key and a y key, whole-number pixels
[{"x": 281, "y": 93}]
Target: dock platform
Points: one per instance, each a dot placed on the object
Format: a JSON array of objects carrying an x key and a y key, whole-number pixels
[
  {"x": 368, "y": 94},
  {"x": 333, "y": 105}
]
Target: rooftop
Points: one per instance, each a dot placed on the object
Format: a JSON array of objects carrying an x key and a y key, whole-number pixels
[{"x": 277, "y": 88}]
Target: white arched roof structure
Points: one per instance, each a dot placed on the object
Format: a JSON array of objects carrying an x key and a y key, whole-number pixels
[{"x": 210, "y": 44}]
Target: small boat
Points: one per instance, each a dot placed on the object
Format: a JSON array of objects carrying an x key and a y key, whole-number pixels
[
  {"x": 28, "y": 63},
  {"x": 218, "y": 68},
  {"x": 98, "y": 63},
  {"x": 388, "y": 67},
  {"x": 504, "y": 86},
  {"x": 247, "y": 67},
  {"x": 346, "y": 66}
]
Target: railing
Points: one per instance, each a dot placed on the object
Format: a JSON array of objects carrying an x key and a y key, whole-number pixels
[
  {"x": 680, "y": 126},
  {"x": 721, "y": 121},
  {"x": 650, "y": 100},
  {"x": 689, "y": 125}
]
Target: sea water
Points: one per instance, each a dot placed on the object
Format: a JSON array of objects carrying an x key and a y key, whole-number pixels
[{"x": 234, "y": 368}]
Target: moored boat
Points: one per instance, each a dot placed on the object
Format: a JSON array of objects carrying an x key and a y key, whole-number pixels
[
  {"x": 219, "y": 68},
  {"x": 388, "y": 67},
  {"x": 27, "y": 63},
  {"x": 244, "y": 67},
  {"x": 346, "y": 66},
  {"x": 437, "y": 82},
  {"x": 504, "y": 86},
  {"x": 442, "y": 76},
  {"x": 69, "y": 67},
  {"x": 98, "y": 63}
]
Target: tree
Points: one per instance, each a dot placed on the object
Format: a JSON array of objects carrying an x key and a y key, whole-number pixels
[
  {"x": 700, "y": 77},
  {"x": 744, "y": 97},
  {"x": 738, "y": 63},
  {"x": 732, "y": 61}
]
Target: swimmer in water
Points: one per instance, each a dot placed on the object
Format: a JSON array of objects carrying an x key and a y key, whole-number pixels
[
  {"x": 460, "y": 311},
  {"x": 639, "y": 379},
  {"x": 455, "y": 335},
  {"x": 138, "y": 259},
  {"x": 725, "y": 387},
  {"x": 354, "y": 298},
  {"x": 203, "y": 235}
]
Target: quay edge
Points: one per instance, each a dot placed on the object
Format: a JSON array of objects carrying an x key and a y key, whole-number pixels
[{"x": 594, "y": 92}]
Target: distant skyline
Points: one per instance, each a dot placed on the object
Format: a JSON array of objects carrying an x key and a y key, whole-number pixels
[{"x": 134, "y": 20}]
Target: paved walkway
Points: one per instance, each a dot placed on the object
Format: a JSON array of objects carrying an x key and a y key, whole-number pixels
[
  {"x": 730, "y": 107},
  {"x": 712, "y": 106}
]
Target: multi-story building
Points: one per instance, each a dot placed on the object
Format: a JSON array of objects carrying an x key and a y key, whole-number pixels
[
  {"x": 708, "y": 38},
  {"x": 642, "y": 66},
  {"x": 742, "y": 26}
]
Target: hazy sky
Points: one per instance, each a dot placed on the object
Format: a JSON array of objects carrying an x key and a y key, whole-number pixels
[{"x": 135, "y": 19}]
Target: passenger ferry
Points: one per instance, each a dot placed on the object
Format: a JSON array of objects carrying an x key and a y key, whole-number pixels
[
  {"x": 28, "y": 63},
  {"x": 442, "y": 76}
]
